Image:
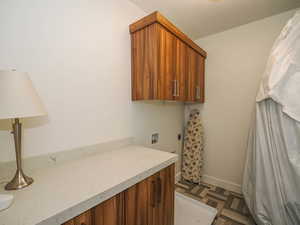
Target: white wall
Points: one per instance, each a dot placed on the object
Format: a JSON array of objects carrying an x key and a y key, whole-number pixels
[
  {"x": 77, "y": 53},
  {"x": 235, "y": 64},
  {"x": 165, "y": 118}
]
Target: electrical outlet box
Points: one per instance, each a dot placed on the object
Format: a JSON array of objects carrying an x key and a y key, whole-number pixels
[
  {"x": 179, "y": 137},
  {"x": 154, "y": 138}
]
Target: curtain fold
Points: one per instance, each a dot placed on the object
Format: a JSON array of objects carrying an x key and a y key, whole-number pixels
[
  {"x": 272, "y": 181},
  {"x": 271, "y": 184}
]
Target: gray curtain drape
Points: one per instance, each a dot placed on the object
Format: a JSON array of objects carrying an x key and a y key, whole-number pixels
[{"x": 271, "y": 184}]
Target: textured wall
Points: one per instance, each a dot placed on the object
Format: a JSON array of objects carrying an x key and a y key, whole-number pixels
[
  {"x": 235, "y": 64},
  {"x": 78, "y": 56}
]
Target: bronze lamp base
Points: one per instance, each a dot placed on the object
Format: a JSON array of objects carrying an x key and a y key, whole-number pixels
[{"x": 19, "y": 181}]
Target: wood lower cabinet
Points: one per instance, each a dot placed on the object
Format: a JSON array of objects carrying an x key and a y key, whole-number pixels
[
  {"x": 83, "y": 219},
  {"x": 166, "y": 64},
  {"x": 109, "y": 212},
  {"x": 149, "y": 202},
  {"x": 162, "y": 213},
  {"x": 166, "y": 203},
  {"x": 136, "y": 204}
]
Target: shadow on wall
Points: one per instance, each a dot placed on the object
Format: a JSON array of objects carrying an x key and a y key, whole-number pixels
[
  {"x": 6, "y": 125},
  {"x": 6, "y": 137},
  {"x": 189, "y": 107},
  {"x": 164, "y": 118}
]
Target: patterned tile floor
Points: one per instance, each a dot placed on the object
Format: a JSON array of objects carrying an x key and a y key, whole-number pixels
[{"x": 231, "y": 206}]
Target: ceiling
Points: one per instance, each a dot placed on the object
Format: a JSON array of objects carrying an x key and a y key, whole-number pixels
[{"x": 198, "y": 18}]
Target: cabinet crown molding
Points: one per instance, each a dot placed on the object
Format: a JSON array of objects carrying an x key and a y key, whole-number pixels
[{"x": 157, "y": 17}]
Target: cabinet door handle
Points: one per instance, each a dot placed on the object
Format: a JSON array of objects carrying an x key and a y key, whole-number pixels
[
  {"x": 174, "y": 88},
  {"x": 197, "y": 92},
  {"x": 159, "y": 189},
  {"x": 177, "y": 88},
  {"x": 153, "y": 195}
]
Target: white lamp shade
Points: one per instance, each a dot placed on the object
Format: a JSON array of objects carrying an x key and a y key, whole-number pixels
[{"x": 18, "y": 98}]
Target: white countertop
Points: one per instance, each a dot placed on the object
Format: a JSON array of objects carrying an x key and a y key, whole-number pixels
[{"x": 63, "y": 191}]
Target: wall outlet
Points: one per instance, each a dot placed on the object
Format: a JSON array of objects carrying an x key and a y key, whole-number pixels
[{"x": 154, "y": 138}]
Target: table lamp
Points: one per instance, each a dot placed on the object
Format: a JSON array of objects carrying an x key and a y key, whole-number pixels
[{"x": 18, "y": 99}]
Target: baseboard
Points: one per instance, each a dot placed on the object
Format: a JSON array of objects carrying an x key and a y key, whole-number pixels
[
  {"x": 228, "y": 185},
  {"x": 217, "y": 182}
]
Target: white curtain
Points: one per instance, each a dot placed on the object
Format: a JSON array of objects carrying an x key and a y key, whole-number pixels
[{"x": 271, "y": 184}]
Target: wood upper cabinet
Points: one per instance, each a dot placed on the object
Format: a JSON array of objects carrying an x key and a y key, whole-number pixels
[
  {"x": 200, "y": 80},
  {"x": 144, "y": 67},
  {"x": 166, "y": 64},
  {"x": 191, "y": 75},
  {"x": 181, "y": 70},
  {"x": 110, "y": 212},
  {"x": 171, "y": 66}
]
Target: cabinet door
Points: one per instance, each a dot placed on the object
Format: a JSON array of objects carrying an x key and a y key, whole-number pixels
[
  {"x": 136, "y": 204},
  {"x": 161, "y": 211},
  {"x": 144, "y": 58},
  {"x": 165, "y": 196},
  {"x": 166, "y": 65},
  {"x": 151, "y": 202},
  {"x": 180, "y": 70},
  {"x": 172, "y": 66},
  {"x": 200, "y": 71},
  {"x": 83, "y": 219},
  {"x": 109, "y": 212},
  {"x": 153, "y": 213},
  {"x": 70, "y": 222},
  {"x": 195, "y": 76},
  {"x": 191, "y": 75}
]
